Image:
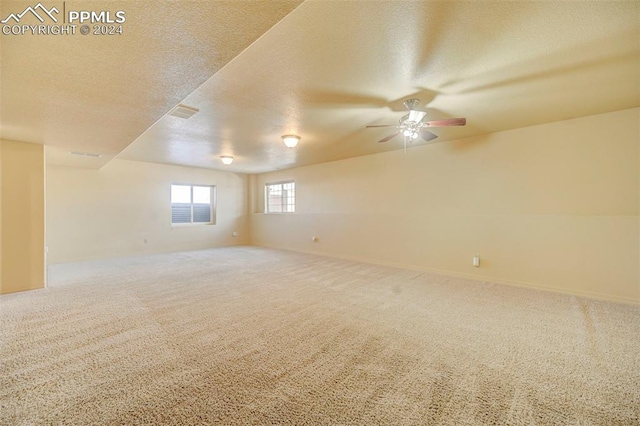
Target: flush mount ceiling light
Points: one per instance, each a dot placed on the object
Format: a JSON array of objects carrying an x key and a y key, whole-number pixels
[
  {"x": 291, "y": 140},
  {"x": 226, "y": 159}
]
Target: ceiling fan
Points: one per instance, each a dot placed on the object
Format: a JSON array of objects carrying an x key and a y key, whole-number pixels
[{"x": 412, "y": 125}]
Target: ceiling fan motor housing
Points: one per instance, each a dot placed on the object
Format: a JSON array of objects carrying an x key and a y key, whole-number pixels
[{"x": 411, "y": 104}]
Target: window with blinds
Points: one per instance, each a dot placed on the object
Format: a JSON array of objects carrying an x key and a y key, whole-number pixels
[
  {"x": 280, "y": 197},
  {"x": 192, "y": 204}
]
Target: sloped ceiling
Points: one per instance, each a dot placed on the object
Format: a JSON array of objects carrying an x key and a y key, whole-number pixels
[
  {"x": 324, "y": 72},
  {"x": 98, "y": 93}
]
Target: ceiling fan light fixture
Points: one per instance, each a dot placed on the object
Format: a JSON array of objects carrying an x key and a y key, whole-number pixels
[
  {"x": 226, "y": 159},
  {"x": 410, "y": 133},
  {"x": 291, "y": 141}
]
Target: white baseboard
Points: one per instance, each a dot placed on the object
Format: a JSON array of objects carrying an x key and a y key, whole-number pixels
[
  {"x": 512, "y": 283},
  {"x": 140, "y": 253}
]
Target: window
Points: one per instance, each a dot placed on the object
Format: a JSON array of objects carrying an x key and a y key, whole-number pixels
[
  {"x": 280, "y": 197},
  {"x": 192, "y": 204}
]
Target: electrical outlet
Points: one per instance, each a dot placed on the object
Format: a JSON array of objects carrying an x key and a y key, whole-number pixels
[{"x": 234, "y": 234}]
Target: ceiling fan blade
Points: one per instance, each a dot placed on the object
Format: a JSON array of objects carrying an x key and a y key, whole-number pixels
[
  {"x": 447, "y": 122},
  {"x": 427, "y": 135},
  {"x": 388, "y": 138},
  {"x": 383, "y": 125},
  {"x": 337, "y": 99}
]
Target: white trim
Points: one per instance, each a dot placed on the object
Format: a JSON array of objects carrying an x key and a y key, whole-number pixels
[
  {"x": 212, "y": 205},
  {"x": 474, "y": 277},
  {"x": 266, "y": 196}
]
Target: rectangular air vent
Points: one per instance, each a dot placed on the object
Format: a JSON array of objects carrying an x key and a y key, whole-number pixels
[
  {"x": 85, "y": 154},
  {"x": 183, "y": 111}
]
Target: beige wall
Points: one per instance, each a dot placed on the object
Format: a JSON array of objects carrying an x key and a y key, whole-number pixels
[
  {"x": 21, "y": 216},
  {"x": 110, "y": 212},
  {"x": 551, "y": 206},
  {"x": 1, "y": 216}
]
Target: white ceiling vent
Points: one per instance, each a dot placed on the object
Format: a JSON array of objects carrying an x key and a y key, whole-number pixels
[
  {"x": 85, "y": 154},
  {"x": 183, "y": 111}
]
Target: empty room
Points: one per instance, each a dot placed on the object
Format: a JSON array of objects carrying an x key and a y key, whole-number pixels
[{"x": 319, "y": 212}]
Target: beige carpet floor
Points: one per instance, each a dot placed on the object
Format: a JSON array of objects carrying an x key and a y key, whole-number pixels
[{"x": 254, "y": 336}]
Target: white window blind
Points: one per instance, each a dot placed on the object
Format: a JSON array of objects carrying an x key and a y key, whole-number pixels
[
  {"x": 192, "y": 204},
  {"x": 280, "y": 197}
]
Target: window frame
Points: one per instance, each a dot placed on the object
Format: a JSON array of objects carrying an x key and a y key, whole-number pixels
[
  {"x": 212, "y": 205},
  {"x": 266, "y": 196}
]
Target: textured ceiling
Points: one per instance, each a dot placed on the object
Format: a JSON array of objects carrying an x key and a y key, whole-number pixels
[
  {"x": 98, "y": 93},
  {"x": 325, "y": 71}
]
